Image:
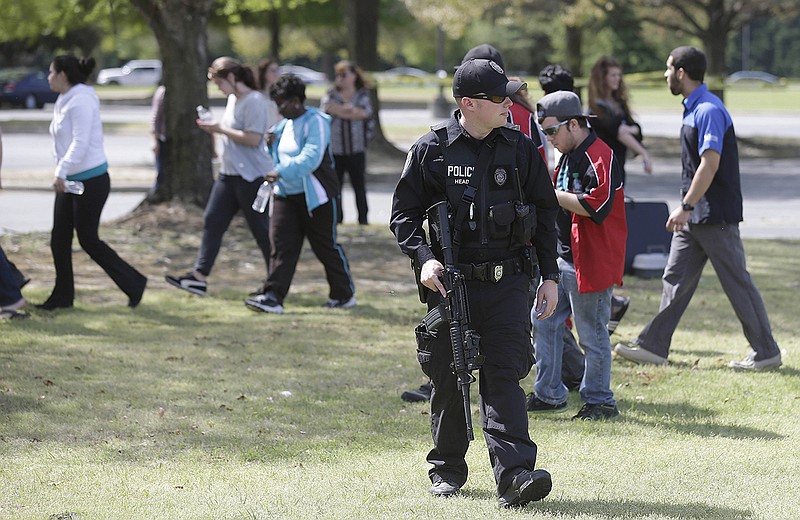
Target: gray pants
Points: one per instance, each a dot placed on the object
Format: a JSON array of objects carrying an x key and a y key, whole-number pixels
[{"x": 689, "y": 252}]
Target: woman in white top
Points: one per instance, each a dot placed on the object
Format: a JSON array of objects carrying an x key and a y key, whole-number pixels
[
  {"x": 243, "y": 163},
  {"x": 78, "y": 135}
]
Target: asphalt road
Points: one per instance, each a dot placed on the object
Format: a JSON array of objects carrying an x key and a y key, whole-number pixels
[{"x": 770, "y": 186}]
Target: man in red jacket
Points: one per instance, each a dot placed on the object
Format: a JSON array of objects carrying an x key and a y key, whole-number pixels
[{"x": 592, "y": 234}]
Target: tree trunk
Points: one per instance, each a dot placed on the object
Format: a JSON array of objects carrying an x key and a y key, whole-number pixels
[
  {"x": 380, "y": 148},
  {"x": 574, "y": 58},
  {"x": 180, "y": 29},
  {"x": 361, "y": 20},
  {"x": 275, "y": 33}
]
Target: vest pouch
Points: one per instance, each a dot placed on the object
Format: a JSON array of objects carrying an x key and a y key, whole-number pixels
[
  {"x": 524, "y": 224},
  {"x": 501, "y": 216}
]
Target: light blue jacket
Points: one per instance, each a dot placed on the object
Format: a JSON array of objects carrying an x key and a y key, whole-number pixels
[{"x": 312, "y": 132}]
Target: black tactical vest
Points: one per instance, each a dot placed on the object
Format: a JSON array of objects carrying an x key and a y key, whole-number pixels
[{"x": 488, "y": 211}]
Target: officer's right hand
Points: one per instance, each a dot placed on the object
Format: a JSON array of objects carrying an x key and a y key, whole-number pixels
[{"x": 430, "y": 274}]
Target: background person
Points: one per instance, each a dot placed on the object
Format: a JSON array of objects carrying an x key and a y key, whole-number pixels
[
  {"x": 706, "y": 225},
  {"x": 243, "y": 161},
  {"x": 591, "y": 225},
  {"x": 11, "y": 280},
  {"x": 268, "y": 73},
  {"x": 158, "y": 130},
  {"x": 11, "y": 300},
  {"x": 349, "y": 105},
  {"x": 78, "y": 135},
  {"x": 499, "y": 305},
  {"x": 305, "y": 202},
  {"x": 614, "y": 124}
]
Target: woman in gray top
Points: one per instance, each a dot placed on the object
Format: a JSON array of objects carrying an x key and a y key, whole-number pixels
[
  {"x": 243, "y": 162},
  {"x": 348, "y": 102}
]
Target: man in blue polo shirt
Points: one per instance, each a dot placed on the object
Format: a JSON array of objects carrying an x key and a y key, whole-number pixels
[{"x": 706, "y": 224}]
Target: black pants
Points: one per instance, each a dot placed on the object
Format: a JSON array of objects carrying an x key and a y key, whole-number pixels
[
  {"x": 290, "y": 225},
  {"x": 499, "y": 313},
  {"x": 229, "y": 194},
  {"x": 356, "y": 165},
  {"x": 81, "y": 214}
]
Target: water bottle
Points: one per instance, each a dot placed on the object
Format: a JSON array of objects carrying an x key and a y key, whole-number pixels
[
  {"x": 262, "y": 197},
  {"x": 204, "y": 114},
  {"x": 74, "y": 187}
]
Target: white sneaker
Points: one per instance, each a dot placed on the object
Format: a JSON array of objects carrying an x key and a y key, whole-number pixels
[
  {"x": 750, "y": 363},
  {"x": 639, "y": 355},
  {"x": 189, "y": 283},
  {"x": 341, "y": 304},
  {"x": 266, "y": 302}
]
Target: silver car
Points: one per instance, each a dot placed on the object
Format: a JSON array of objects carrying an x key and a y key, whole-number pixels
[{"x": 135, "y": 72}]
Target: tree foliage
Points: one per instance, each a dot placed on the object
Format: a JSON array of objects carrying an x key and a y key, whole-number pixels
[{"x": 709, "y": 21}]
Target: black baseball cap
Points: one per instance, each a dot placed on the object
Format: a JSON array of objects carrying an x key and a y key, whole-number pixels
[
  {"x": 484, "y": 51},
  {"x": 483, "y": 77}
]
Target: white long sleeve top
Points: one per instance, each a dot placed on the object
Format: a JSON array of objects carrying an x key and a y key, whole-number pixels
[{"x": 77, "y": 132}]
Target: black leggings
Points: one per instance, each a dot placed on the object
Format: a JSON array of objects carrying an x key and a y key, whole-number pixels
[{"x": 81, "y": 214}]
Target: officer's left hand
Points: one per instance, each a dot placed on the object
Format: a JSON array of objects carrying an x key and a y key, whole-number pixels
[{"x": 546, "y": 299}]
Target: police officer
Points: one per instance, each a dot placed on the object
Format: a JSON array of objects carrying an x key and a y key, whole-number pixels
[{"x": 494, "y": 180}]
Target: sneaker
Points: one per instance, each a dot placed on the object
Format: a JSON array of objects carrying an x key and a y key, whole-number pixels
[
  {"x": 420, "y": 395},
  {"x": 13, "y": 315},
  {"x": 639, "y": 355},
  {"x": 619, "y": 305},
  {"x": 534, "y": 404},
  {"x": 341, "y": 304},
  {"x": 266, "y": 302},
  {"x": 443, "y": 488},
  {"x": 528, "y": 486},
  {"x": 13, "y": 307},
  {"x": 189, "y": 283},
  {"x": 750, "y": 363},
  {"x": 596, "y": 412}
]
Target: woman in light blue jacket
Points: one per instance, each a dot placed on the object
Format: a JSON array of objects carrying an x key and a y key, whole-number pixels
[{"x": 305, "y": 203}]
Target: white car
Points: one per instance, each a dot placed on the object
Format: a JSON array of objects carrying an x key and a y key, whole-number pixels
[
  {"x": 304, "y": 73},
  {"x": 135, "y": 72}
]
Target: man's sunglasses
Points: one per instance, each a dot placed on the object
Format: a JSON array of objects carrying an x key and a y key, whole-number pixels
[
  {"x": 493, "y": 99},
  {"x": 553, "y": 130}
]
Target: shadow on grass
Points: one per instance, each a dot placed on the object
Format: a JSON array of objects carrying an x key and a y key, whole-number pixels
[
  {"x": 568, "y": 508},
  {"x": 689, "y": 420},
  {"x": 636, "y": 508}
]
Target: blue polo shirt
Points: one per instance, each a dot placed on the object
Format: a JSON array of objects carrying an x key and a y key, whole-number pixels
[{"x": 707, "y": 125}]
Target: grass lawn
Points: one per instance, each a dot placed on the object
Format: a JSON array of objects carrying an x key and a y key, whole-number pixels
[{"x": 191, "y": 407}]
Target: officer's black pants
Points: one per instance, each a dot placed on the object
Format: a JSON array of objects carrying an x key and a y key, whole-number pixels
[{"x": 499, "y": 313}]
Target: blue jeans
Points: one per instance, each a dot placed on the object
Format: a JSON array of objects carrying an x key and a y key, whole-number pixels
[
  {"x": 9, "y": 281},
  {"x": 591, "y": 312}
]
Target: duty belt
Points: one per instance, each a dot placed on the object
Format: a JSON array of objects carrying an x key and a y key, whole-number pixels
[{"x": 491, "y": 271}]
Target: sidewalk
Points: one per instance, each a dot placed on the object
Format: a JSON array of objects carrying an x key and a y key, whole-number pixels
[{"x": 770, "y": 185}]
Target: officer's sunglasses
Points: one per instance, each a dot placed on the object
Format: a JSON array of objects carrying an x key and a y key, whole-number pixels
[
  {"x": 553, "y": 130},
  {"x": 493, "y": 99}
]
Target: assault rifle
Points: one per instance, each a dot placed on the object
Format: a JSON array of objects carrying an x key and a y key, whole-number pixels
[{"x": 453, "y": 310}]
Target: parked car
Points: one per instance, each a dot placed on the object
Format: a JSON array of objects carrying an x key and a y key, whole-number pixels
[
  {"x": 399, "y": 72},
  {"x": 405, "y": 75},
  {"x": 752, "y": 76},
  {"x": 26, "y": 87},
  {"x": 135, "y": 72},
  {"x": 304, "y": 73}
]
